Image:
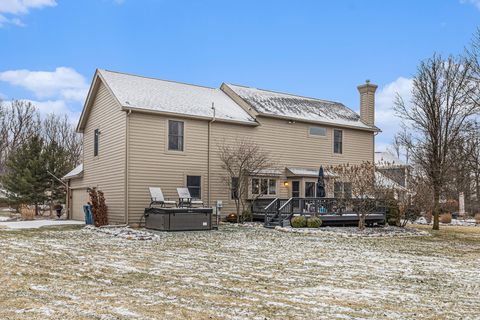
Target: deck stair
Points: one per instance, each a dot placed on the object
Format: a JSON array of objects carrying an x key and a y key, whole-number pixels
[{"x": 278, "y": 213}]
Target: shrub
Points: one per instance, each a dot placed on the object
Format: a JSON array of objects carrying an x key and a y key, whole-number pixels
[
  {"x": 247, "y": 215},
  {"x": 314, "y": 222},
  {"x": 26, "y": 212},
  {"x": 393, "y": 216},
  {"x": 299, "y": 222},
  {"x": 446, "y": 218},
  {"x": 477, "y": 218}
]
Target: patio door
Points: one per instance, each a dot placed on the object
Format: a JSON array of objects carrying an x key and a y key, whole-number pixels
[{"x": 296, "y": 193}]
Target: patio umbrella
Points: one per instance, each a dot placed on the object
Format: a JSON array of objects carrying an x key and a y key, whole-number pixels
[{"x": 321, "y": 184}]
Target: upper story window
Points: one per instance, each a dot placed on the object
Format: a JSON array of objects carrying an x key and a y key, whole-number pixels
[
  {"x": 317, "y": 132},
  {"x": 175, "y": 135},
  {"x": 194, "y": 185},
  {"x": 264, "y": 186},
  {"x": 337, "y": 141},
  {"x": 96, "y": 137}
]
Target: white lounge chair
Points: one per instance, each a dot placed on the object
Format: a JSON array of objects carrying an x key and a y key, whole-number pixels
[
  {"x": 157, "y": 198},
  {"x": 186, "y": 200}
]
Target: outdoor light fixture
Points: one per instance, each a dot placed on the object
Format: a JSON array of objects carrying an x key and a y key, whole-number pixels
[{"x": 285, "y": 183}]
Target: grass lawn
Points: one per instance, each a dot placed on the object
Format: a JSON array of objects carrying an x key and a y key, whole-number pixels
[{"x": 239, "y": 273}]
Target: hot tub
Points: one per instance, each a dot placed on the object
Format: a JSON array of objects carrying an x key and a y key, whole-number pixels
[{"x": 178, "y": 219}]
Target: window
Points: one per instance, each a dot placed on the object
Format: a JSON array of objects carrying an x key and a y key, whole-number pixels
[
  {"x": 337, "y": 141},
  {"x": 234, "y": 191},
  {"x": 342, "y": 189},
  {"x": 309, "y": 189},
  {"x": 194, "y": 185},
  {"x": 318, "y": 131},
  {"x": 96, "y": 136},
  {"x": 175, "y": 135},
  {"x": 264, "y": 186},
  {"x": 255, "y": 186}
]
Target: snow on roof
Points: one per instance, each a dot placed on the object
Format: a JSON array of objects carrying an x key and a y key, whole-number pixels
[
  {"x": 174, "y": 97},
  {"x": 383, "y": 159},
  {"x": 298, "y": 107},
  {"x": 308, "y": 172},
  {"x": 77, "y": 171},
  {"x": 384, "y": 181}
]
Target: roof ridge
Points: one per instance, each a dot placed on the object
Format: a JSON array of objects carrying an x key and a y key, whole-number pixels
[
  {"x": 287, "y": 93},
  {"x": 158, "y": 79}
]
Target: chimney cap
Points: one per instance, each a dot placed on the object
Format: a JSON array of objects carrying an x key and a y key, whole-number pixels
[{"x": 367, "y": 81}]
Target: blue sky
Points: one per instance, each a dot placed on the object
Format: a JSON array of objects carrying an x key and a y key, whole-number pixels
[{"x": 49, "y": 49}]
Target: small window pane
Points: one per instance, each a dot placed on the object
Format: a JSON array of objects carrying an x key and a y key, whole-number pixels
[
  {"x": 318, "y": 131},
  {"x": 175, "y": 135},
  {"x": 194, "y": 186},
  {"x": 347, "y": 190},
  {"x": 234, "y": 191},
  {"x": 309, "y": 189},
  {"x": 338, "y": 189},
  {"x": 96, "y": 137},
  {"x": 255, "y": 186},
  {"x": 337, "y": 141},
  {"x": 272, "y": 186},
  {"x": 264, "y": 186}
]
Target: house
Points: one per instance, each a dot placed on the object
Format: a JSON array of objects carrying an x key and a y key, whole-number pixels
[
  {"x": 140, "y": 132},
  {"x": 392, "y": 172}
]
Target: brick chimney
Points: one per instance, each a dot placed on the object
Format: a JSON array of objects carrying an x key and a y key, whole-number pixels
[{"x": 367, "y": 102}]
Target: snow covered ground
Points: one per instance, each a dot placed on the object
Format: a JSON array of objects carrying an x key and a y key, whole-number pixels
[
  {"x": 35, "y": 224},
  {"x": 238, "y": 273}
]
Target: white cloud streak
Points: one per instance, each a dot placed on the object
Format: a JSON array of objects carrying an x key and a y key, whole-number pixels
[
  {"x": 10, "y": 10},
  {"x": 475, "y": 3},
  {"x": 385, "y": 117},
  {"x": 54, "y": 91},
  {"x": 64, "y": 83}
]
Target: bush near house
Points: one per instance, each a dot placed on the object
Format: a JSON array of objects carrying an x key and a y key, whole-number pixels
[
  {"x": 446, "y": 218},
  {"x": 393, "y": 215},
  {"x": 314, "y": 222},
  {"x": 299, "y": 222}
]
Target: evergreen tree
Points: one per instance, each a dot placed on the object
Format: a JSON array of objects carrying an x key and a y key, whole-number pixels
[
  {"x": 27, "y": 178},
  {"x": 57, "y": 163}
]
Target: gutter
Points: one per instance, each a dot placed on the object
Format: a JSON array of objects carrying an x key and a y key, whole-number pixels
[
  {"x": 127, "y": 155},
  {"x": 208, "y": 154}
]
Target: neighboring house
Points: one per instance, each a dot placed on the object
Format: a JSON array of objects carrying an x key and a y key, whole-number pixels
[
  {"x": 140, "y": 132},
  {"x": 392, "y": 172}
]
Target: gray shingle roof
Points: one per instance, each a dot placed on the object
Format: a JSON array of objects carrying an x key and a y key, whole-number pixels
[
  {"x": 298, "y": 107},
  {"x": 173, "y": 97}
]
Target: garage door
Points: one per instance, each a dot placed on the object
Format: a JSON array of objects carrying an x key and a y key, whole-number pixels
[{"x": 79, "y": 199}]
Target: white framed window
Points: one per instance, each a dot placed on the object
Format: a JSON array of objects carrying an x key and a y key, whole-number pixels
[
  {"x": 337, "y": 141},
  {"x": 175, "y": 135},
  {"x": 320, "y": 132},
  {"x": 194, "y": 185},
  {"x": 264, "y": 186},
  {"x": 342, "y": 189}
]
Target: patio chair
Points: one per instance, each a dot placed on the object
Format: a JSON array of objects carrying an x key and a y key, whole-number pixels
[
  {"x": 157, "y": 198},
  {"x": 186, "y": 200}
]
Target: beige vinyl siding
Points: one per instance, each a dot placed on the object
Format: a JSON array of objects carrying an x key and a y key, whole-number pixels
[
  {"x": 107, "y": 170},
  {"x": 79, "y": 199},
  {"x": 151, "y": 164}
]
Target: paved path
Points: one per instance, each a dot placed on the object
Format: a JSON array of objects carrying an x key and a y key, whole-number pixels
[{"x": 35, "y": 224}]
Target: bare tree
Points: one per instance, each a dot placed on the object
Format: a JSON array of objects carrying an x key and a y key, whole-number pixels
[
  {"x": 367, "y": 189},
  {"x": 59, "y": 129},
  {"x": 19, "y": 122},
  {"x": 441, "y": 109},
  {"x": 242, "y": 160}
]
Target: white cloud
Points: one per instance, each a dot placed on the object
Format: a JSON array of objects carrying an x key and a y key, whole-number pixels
[
  {"x": 58, "y": 107},
  {"x": 385, "y": 117},
  {"x": 11, "y": 9},
  {"x": 63, "y": 83},
  {"x": 475, "y": 3}
]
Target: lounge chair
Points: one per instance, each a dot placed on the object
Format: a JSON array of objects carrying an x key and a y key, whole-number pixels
[
  {"x": 157, "y": 198},
  {"x": 186, "y": 200}
]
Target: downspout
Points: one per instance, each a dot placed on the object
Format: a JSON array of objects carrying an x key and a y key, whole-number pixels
[
  {"x": 208, "y": 153},
  {"x": 127, "y": 132}
]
